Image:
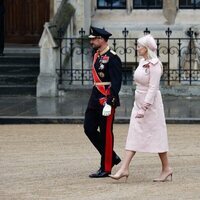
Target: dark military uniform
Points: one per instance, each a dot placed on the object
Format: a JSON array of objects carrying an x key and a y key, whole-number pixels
[
  {"x": 98, "y": 128},
  {"x": 108, "y": 71},
  {"x": 2, "y": 11}
]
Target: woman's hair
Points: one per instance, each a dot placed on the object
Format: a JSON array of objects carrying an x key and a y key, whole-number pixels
[{"x": 149, "y": 42}]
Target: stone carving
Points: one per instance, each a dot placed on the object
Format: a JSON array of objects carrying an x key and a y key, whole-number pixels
[
  {"x": 191, "y": 46},
  {"x": 47, "y": 79},
  {"x": 170, "y": 10}
]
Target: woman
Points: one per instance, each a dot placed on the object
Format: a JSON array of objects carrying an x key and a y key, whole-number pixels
[{"x": 147, "y": 130}]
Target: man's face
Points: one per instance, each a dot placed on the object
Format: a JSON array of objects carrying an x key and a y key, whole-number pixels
[{"x": 96, "y": 42}]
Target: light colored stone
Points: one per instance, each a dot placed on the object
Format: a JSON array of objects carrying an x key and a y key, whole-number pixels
[
  {"x": 47, "y": 85},
  {"x": 47, "y": 79},
  {"x": 170, "y": 11},
  {"x": 52, "y": 162}
]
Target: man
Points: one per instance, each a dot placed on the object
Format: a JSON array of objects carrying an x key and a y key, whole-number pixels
[
  {"x": 2, "y": 11},
  {"x": 99, "y": 115}
]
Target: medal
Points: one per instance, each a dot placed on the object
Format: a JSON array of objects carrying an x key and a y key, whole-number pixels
[
  {"x": 101, "y": 74},
  {"x": 105, "y": 59},
  {"x": 101, "y": 66}
]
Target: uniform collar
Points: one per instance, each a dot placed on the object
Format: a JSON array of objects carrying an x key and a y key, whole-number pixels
[{"x": 103, "y": 51}]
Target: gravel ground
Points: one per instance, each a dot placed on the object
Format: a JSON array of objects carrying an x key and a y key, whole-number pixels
[{"x": 39, "y": 162}]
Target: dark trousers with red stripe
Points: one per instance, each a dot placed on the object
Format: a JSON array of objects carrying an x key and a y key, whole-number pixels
[{"x": 99, "y": 130}]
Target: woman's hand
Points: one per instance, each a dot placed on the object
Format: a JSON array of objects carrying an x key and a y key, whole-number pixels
[
  {"x": 140, "y": 113},
  {"x": 142, "y": 110}
]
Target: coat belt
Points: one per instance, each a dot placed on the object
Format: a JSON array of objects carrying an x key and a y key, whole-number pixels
[{"x": 102, "y": 83}]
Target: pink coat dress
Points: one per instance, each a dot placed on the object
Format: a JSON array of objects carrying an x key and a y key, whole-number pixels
[{"x": 148, "y": 134}]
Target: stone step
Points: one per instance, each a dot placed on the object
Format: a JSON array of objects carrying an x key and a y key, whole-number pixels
[
  {"x": 25, "y": 49},
  {"x": 20, "y": 59},
  {"x": 9, "y": 69},
  {"x": 16, "y": 90},
  {"x": 19, "y": 69},
  {"x": 18, "y": 79}
]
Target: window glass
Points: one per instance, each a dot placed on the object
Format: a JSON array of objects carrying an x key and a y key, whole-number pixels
[
  {"x": 189, "y": 4},
  {"x": 147, "y": 4},
  {"x": 111, "y": 4}
]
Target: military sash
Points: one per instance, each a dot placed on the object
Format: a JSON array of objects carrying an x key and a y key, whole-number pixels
[{"x": 97, "y": 80}]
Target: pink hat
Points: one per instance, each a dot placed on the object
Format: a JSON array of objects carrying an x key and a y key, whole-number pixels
[{"x": 148, "y": 41}]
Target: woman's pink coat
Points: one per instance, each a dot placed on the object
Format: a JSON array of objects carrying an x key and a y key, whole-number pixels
[{"x": 148, "y": 134}]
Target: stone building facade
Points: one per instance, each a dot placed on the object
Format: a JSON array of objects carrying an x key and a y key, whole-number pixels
[
  {"x": 115, "y": 15},
  {"x": 172, "y": 13}
]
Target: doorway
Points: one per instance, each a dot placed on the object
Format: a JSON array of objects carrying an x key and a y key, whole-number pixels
[{"x": 24, "y": 20}]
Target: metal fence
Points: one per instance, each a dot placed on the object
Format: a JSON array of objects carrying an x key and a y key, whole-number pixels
[{"x": 180, "y": 58}]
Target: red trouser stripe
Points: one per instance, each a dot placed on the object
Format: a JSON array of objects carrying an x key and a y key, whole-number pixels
[{"x": 109, "y": 142}]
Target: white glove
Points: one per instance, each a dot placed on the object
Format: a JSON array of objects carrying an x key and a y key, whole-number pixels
[{"x": 106, "y": 110}]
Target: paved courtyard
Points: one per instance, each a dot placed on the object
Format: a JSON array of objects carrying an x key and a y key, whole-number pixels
[{"x": 52, "y": 162}]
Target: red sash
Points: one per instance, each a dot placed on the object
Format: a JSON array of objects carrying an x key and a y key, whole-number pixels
[{"x": 96, "y": 78}]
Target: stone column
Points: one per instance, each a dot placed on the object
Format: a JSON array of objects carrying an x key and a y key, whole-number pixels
[
  {"x": 82, "y": 15},
  {"x": 93, "y": 7},
  {"x": 57, "y": 4},
  {"x": 170, "y": 11},
  {"x": 129, "y": 6}
]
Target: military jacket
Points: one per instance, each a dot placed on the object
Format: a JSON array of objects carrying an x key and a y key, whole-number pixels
[{"x": 108, "y": 67}]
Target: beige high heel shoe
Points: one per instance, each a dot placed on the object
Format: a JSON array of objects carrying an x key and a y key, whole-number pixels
[
  {"x": 164, "y": 178},
  {"x": 117, "y": 177}
]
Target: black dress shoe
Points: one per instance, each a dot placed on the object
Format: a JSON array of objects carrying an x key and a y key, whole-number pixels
[
  {"x": 117, "y": 160},
  {"x": 100, "y": 174}
]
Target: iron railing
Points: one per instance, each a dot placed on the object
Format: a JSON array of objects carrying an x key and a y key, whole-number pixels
[{"x": 180, "y": 58}]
